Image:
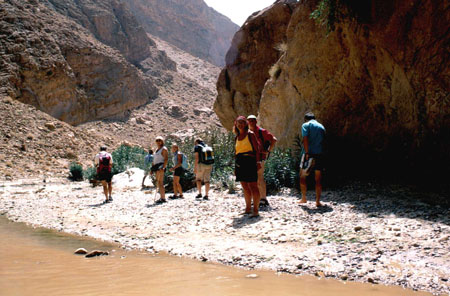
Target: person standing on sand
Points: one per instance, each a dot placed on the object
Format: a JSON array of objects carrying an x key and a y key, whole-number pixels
[
  {"x": 202, "y": 170},
  {"x": 147, "y": 162},
  {"x": 103, "y": 162},
  {"x": 177, "y": 172},
  {"x": 247, "y": 162},
  {"x": 268, "y": 142},
  {"x": 313, "y": 134},
  {"x": 159, "y": 167}
]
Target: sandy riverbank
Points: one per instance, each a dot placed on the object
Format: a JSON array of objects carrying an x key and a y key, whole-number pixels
[{"x": 369, "y": 235}]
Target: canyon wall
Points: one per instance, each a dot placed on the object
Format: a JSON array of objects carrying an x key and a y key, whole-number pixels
[
  {"x": 188, "y": 24},
  {"x": 379, "y": 83}
]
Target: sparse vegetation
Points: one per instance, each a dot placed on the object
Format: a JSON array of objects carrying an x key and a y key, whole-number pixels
[{"x": 76, "y": 171}]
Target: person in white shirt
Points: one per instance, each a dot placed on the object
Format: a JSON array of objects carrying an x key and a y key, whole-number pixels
[{"x": 104, "y": 162}]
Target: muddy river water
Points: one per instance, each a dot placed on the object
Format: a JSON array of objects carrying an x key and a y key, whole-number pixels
[{"x": 41, "y": 262}]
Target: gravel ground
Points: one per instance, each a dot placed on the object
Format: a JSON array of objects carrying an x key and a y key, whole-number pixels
[{"x": 366, "y": 234}]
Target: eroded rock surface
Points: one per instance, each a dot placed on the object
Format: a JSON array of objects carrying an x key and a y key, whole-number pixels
[
  {"x": 379, "y": 85},
  {"x": 188, "y": 24},
  {"x": 51, "y": 62}
]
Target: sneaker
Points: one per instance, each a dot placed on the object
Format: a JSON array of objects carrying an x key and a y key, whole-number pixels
[
  {"x": 160, "y": 201},
  {"x": 173, "y": 197},
  {"x": 206, "y": 197},
  {"x": 110, "y": 198},
  {"x": 263, "y": 203},
  {"x": 199, "y": 195}
]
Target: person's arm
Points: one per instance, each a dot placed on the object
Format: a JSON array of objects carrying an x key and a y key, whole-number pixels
[
  {"x": 165, "y": 154},
  {"x": 179, "y": 160},
  {"x": 111, "y": 162},
  {"x": 196, "y": 162},
  {"x": 306, "y": 146}
]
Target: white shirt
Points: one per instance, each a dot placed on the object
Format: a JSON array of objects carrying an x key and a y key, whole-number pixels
[{"x": 97, "y": 157}]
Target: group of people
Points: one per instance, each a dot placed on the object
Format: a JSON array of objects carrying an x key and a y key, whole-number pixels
[{"x": 253, "y": 146}]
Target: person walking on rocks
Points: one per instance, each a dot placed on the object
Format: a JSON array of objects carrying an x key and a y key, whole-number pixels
[
  {"x": 177, "y": 170},
  {"x": 268, "y": 142},
  {"x": 202, "y": 167},
  {"x": 103, "y": 162},
  {"x": 159, "y": 167},
  {"x": 313, "y": 134},
  {"x": 147, "y": 162},
  {"x": 247, "y": 163}
]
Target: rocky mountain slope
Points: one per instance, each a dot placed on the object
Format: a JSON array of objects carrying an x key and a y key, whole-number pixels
[
  {"x": 378, "y": 82},
  {"x": 191, "y": 25},
  {"x": 34, "y": 144},
  {"x": 53, "y": 63}
]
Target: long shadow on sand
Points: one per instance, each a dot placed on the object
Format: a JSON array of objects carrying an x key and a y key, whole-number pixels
[
  {"x": 317, "y": 210},
  {"x": 239, "y": 222},
  {"x": 98, "y": 205}
]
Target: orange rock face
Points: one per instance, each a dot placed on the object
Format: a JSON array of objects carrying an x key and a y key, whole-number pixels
[{"x": 380, "y": 84}]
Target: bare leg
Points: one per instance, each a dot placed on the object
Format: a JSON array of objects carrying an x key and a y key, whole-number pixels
[
  {"x": 262, "y": 182},
  {"x": 105, "y": 189},
  {"x": 256, "y": 197},
  {"x": 318, "y": 178},
  {"x": 109, "y": 189},
  {"x": 303, "y": 187},
  {"x": 176, "y": 186},
  {"x": 160, "y": 181},
  {"x": 247, "y": 197},
  {"x": 206, "y": 188},
  {"x": 199, "y": 186}
]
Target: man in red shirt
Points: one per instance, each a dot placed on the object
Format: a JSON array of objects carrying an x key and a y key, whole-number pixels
[{"x": 268, "y": 142}]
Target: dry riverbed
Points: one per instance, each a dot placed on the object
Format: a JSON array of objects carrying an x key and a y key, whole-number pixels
[{"x": 363, "y": 234}]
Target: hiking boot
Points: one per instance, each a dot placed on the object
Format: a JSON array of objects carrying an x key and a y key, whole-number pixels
[
  {"x": 160, "y": 201},
  {"x": 199, "y": 195},
  {"x": 206, "y": 197}
]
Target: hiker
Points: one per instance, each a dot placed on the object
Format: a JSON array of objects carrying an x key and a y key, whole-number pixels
[
  {"x": 177, "y": 170},
  {"x": 247, "y": 163},
  {"x": 103, "y": 162},
  {"x": 159, "y": 166},
  {"x": 313, "y": 134},
  {"x": 202, "y": 167},
  {"x": 268, "y": 142},
  {"x": 147, "y": 162}
]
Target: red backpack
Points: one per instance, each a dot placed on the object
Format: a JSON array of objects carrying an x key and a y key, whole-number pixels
[{"x": 104, "y": 161}]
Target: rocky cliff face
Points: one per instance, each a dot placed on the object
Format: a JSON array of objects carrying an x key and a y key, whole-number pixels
[
  {"x": 188, "y": 24},
  {"x": 381, "y": 87},
  {"x": 53, "y": 63}
]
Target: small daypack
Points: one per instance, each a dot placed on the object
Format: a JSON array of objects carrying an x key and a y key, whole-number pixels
[
  {"x": 184, "y": 163},
  {"x": 103, "y": 163},
  {"x": 206, "y": 156}
]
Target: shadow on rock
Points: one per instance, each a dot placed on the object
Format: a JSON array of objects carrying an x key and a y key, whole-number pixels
[
  {"x": 244, "y": 220},
  {"x": 317, "y": 210}
]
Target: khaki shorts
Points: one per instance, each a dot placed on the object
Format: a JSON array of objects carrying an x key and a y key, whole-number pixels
[{"x": 203, "y": 172}]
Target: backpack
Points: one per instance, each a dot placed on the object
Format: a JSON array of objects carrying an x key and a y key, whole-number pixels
[
  {"x": 265, "y": 144},
  {"x": 184, "y": 163},
  {"x": 206, "y": 156},
  {"x": 103, "y": 163}
]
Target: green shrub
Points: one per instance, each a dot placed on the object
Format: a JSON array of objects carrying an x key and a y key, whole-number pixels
[
  {"x": 126, "y": 157},
  {"x": 281, "y": 170},
  {"x": 90, "y": 173},
  {"x": 76, "y": 171}
]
